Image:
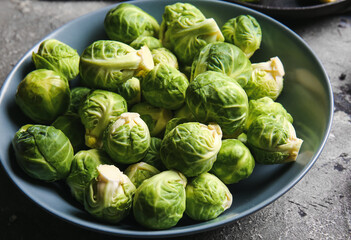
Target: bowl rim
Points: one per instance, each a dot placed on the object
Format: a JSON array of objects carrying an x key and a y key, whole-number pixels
[{"x": 186, "y": 230}]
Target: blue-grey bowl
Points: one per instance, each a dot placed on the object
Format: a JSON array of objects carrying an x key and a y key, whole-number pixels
[{"x": 307, "y": 96}]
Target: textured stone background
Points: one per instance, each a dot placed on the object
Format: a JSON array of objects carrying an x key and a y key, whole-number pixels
[{"x": 318, "y": 207}]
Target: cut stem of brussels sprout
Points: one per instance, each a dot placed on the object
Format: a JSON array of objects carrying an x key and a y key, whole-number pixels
[
  {"x": 274, "y": 67},
  {"x": 212, "y": 33},
  {"x": 216, "y": 131},
  {"x": 109, "y": 173},
  {"x": 147, "y": 62},
  {"x": 293, "y": 145},
  {"x": 129, "y": 118}
]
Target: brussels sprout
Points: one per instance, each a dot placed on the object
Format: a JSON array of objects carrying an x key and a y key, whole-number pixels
[
  {"x": 43, "y": 95},
  {"x": 165, "y": 87},
  {"x": 272, "y": 140},
  {"x": 109, "y": 196},
  {"x": 108, "y": 64},
  {"x": 163, "y": 55},
  {"x": 73, "y": 128},
  {"x": 78, "y": 95},
  {"x": 138, "y": 172},
  {"x": 99, "y": 109},
  {"x": 154, "y": 117},
  {"x": 43, "y": 152},
  {"x": 149, "y": 41},
  {"x": 84, "y": 170},
  {"x": 234, "y": 162},
  {"x": 127, "y": 22},
  {"x": 153, "y": 156},
  {"x": 159, "y": 202},
  {"x": 207, "y": 197},
  {"x": 130, "y": 91},
  {"x": 245, "y": 32},
  {"x": 57, "y": 56},
  {"x": 185, "y": 30},
  {"x": 213, "y": 96},
  {"x": 191, "y": 148},
  {"x": 266, "y": 80},
  {"x": 265, "y": 106},
  {"x": 127, "y": 139},
  {"x": 225, "y": 58}
]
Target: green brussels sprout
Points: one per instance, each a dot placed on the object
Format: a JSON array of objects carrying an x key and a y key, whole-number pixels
[
  {"x": 99, "y": 109},
  {"x": 214, "y": 97},
  {"x": 185, "y": 30},
  {"x": 225, "y": 58},
  {"x": 266, "y": 80},
  {"x": 272, "y": 140},
  {"x": 207, "y": 197},
  {"x": 84, "y": 170},
  {"x": 130, "y": 91},
  {"x": 138, "y": 172},
  {"x": 245, "y": 32},
  {"x": 154, "y": 117},
  {"x": 234, "y": 162},
  {"x": 43, "y": 152},
  {"x": 127, "y": 22},
  {"x": 149, "y": 41},
  {"x": 57, "y": 56},
  {"x": 191, "y": 148},
  {"x": 127, "y": 139},
  {"x": 73, "y": 128},
  {"x": 153, "y": 156},
  {"x": 109, "y": 196},
  {"x": 78, "y": 95},
  {"x": 43, "y": 95},
  {"x": 108, "y": 64},
  {"x": 265, "y": 106},
  {"x": 165, "y": 87},
  {"x": 163, "y": 55},
  {"x": 159, "y": 202}
]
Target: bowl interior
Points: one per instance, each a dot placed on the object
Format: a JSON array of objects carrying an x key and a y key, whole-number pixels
[{"x": 306, "y": 95}]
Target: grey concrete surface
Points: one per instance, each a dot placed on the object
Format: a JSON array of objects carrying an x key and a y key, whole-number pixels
[{"x": 318, "y": 207}]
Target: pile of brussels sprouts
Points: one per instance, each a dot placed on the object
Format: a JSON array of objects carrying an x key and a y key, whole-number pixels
[{"x": 162, "y": 118}]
